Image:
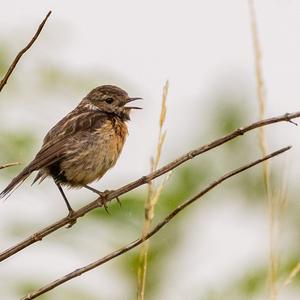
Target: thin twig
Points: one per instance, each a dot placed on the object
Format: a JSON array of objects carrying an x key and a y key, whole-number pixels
[
  {"x": 139, "y": 241},
  {"x": 20, "y": 54},
  {"x": 39, "y": 235},
  {"x": 9, "y": 165},
  {"x": 292, "y": 275}
]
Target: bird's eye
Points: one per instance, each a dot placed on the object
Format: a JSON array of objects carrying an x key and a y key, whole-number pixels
[{"x": 109, "y": 100}]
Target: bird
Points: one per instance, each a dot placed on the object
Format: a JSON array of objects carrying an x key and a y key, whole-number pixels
[{"x": 84, "y": 144}]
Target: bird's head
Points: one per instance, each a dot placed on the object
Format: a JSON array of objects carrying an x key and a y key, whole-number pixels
[{"x": 111, "y": 99}]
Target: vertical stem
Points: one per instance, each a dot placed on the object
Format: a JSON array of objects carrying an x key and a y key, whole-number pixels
[
  {"x": 264, "y": 149},
  {"x": 152, "y": 198}
]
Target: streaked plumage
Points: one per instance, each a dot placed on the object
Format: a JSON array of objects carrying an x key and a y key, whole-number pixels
[{"x": 85, "y": 143}]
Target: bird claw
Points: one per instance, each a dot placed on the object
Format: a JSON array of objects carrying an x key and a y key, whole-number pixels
[
  {"x": 71, "y": 218},
  {"x": 118, "y": 200},
  {"x": 103, "y": 199},
  {"x": 107, "y": 192},
  {"x": 287, "y": 115},
  {"x": 293, "y": 122}
]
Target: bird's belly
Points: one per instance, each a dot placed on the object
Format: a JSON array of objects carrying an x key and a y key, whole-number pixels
[{"x": 89, "y": 160}]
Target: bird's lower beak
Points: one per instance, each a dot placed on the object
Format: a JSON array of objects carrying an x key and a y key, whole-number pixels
[{"x": 133, "y": 99}]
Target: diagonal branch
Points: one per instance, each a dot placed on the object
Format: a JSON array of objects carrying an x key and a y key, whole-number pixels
[
  {"x": 20, "y": 54},
  {"x": 159, "y": 226},
  {"x": 39, "y": 235}
]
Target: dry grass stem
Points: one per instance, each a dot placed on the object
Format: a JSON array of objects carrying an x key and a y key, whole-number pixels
[
  {"x": 264, "y": 149},
  {"x": 295, "y": 271},
  {"x": 152, "y": 198},
  {"x": 9, "y": 165},
  {"x": 292, "y": 275}
]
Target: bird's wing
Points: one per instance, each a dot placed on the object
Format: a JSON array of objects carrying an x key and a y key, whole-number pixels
[
  {"x": 49, "y": 154},
  {"x": 45, "y": 157},
  {"x": 58, "y": 138}
]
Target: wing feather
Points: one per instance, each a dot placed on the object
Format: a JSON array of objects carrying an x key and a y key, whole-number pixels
[{"x": 57, "y": 140}]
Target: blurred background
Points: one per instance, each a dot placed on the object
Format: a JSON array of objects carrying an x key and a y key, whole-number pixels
[{"x": 218, "y": 248}]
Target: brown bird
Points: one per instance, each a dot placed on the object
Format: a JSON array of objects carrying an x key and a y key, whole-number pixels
[{"x": 82, "y": 146}]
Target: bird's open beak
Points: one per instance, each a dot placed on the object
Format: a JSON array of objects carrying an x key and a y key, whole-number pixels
[{"x": 133, "y": 99}]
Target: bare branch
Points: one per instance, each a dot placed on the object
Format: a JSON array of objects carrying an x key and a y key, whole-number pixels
[
  {"x": 9, "y": 165},
  {"x": 159, "y": 226},
  {"x": 20, "y": 54},
  {"x": 39, "y": 235}
]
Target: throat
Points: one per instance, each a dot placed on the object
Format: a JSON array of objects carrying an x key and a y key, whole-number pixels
[{"x": 120, "y": 128}]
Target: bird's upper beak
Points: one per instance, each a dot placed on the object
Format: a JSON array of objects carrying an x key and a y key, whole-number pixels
[{"x": 133, "y": 99}]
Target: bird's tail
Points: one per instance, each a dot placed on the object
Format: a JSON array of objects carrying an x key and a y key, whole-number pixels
[{"x": 18, "y": 180}]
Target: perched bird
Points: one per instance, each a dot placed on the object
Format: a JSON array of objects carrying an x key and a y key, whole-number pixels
[{"x": 82, "y": 146}]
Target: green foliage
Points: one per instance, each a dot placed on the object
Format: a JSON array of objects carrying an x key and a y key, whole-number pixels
[
  {"x": 26, "y": 287},
  {"x": 15, "y": 147},
  {"x": 186, "y": 180},
  {"x": 131, "y": 207},
  {"x": 3, "y": 60},
  {"x": 229, "y": 116},
  {"x": 252, "y": 282}
]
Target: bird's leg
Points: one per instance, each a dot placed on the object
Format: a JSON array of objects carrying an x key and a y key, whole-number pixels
[
  {"x": 103, "y": 195},
  {"x": 71, "y": 211},
  {"x": 65, "y": 198},
  {"x": 94, "y": 190}
]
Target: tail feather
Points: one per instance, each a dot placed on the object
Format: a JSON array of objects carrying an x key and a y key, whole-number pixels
[
  {"x": 40, "y": 176},
  {"x": 18, "y": 180}
]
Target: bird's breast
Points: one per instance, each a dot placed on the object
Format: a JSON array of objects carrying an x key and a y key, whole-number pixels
[{"x": 92, "y": 153}]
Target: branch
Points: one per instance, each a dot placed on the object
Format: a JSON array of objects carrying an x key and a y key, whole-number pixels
[
  {"x": 39, "y": 235},
  {"x": 9, "y": 165},
  {"x": 159, "y": 226},
  {"x": 20, "y": 54}
]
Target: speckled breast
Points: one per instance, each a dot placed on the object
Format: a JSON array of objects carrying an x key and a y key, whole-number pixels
[{"x": 91, "y": 154}]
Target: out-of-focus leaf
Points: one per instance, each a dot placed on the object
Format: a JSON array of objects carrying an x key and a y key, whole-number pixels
[
  {"x": 15, "y": 147},
  {"x": 3, "y": 60}
]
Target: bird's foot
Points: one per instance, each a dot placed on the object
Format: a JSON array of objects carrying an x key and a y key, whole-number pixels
[
  {"x": 103, "y": 199},
  {"x": 71, "y": 218},
  {"x": 103, "y": 196},
  {"x": 118, "y": 200}
]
